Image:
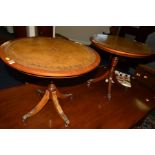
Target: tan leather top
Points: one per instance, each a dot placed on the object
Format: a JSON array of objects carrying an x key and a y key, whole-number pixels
[
  {"x": 45, "y": 56},
  {"x": 121, "y": 46}
]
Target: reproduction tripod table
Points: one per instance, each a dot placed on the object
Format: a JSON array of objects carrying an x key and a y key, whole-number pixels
[
  {"x": 118, "y": 46},
  {"x": 49, "y": 58}
]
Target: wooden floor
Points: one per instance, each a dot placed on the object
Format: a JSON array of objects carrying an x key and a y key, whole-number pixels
[{"x": 88, "y": 109}]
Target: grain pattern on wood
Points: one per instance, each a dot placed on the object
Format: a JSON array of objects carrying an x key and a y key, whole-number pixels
[
  {"x": 121, "y": 46},
  {"x": 88, "y": 109}
]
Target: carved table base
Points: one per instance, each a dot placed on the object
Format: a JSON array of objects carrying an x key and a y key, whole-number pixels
[
  {"x": 53, "y": 94},
  {"x": 107, "y": 75}
]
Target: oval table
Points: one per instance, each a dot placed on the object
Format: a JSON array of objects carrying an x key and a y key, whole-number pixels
[
  {"x": 49, "y": 58},
  {"x": 118, "y": 46}
]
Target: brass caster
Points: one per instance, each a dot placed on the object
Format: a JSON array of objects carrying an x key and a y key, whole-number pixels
[
  {"x": 66, "y": 120},
  {"x": 67, "y": 123},
  {"x": 24, "y": 118}
]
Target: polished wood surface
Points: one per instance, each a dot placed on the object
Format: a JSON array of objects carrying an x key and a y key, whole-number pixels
[
  {"x": 89, "y": 107},
  {"x": 117, "y": 46},
  {"x": 121, "y": 46},
  {"x": 145, "y": 74},
  {"x": 49, "y": 57},
  {"x": 51, "y": 93},
  {"x": 109, "y": 75}
]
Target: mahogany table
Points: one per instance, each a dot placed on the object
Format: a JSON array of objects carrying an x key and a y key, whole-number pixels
[
  {"x": 49, "y": 58},
  {"x": 88, "y": 110},
  {"x": 118, "y": 46}
]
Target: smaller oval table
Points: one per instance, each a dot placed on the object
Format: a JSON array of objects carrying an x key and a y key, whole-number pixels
[
  {"x": 118, "y": 46},
  {"x": 49, "y": 58}
]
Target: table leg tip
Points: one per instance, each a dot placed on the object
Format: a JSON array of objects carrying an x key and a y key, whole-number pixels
[
  {"x": 66, "y": 120},
  {"x": 24, "y": 118},
  {"x": 67, "y": 124}
]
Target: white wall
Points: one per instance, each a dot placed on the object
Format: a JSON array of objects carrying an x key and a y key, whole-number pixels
[{"x": 81, "y": 33}]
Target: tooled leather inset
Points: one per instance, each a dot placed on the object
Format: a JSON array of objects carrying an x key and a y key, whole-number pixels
[{"x": 50, "y": 54}]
